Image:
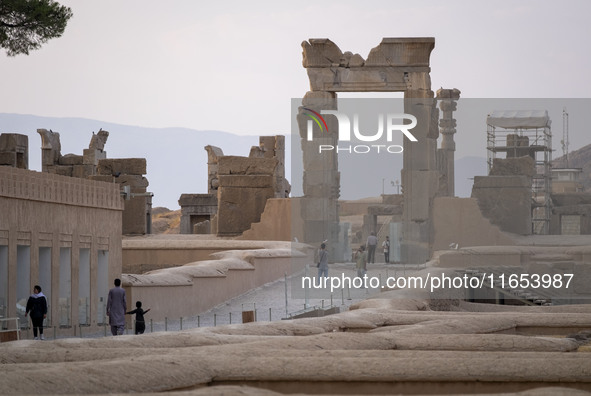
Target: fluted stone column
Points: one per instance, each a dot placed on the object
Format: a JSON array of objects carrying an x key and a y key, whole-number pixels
[
  {"x": 321, "y": 178},
  {"x": 447, "y": 127}
]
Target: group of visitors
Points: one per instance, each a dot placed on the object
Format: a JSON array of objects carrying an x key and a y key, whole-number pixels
[
  {"x": 361, "y": 256},
  {"x": 116, "y": 311}
]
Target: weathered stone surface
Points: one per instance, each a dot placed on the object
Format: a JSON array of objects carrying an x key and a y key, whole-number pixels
[
  {"x": 238, "y": 207},
  {"x": 129, "y": 166},
  {"x": 50, "y": 145},
  {"x": 203, "y": 227},
  {"x": 505, "y": 201},
  {"x": 92, "y": 156},
  {"x": 198, "y": 200},
  {"x": 103, "y": 178},
  {"x": 520, "y": 166},
  {"x": 405, "y": 51},
  {"x": 82, "y": 171},
  {"x": 14, "y": 142},
  {"x": 250, "y": 181},
  {"x": 98, "y": 141},
  {"x": 320, "y": 53},
  {"x": 133, "y": 180},
  {"x": 70, "y": 159},
  {"x": 60, "y": 170},
  {"x": 234, "y": 165},
  {"x": 8, "y": 158}
]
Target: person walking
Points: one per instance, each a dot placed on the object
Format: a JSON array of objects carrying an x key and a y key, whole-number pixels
[
  {"x": 322, "y": 262},
  {"x": 140, "y": 322},
  {"x": 372, "y": 243},
  {"x": 361, "y": 261},
  {"x": 386, "y": 247},
  {"x": 37, "y": 306},
  {"x": 116, "y": 307}
]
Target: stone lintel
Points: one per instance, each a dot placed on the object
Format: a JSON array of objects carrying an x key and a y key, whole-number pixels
[
  {"x": 402, "y": 51},
  {"x": 235, "y": 165},
  {"x": 198, "y": 200},
  {"x": 363, "y": 79},
  {"x": 129, "y": 166}
]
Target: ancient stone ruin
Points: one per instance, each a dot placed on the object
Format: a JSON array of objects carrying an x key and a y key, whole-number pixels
[
  {"x": 238, "y": 189},
  {"x": 94, "y": 164},
  {"x": 14, "y": 150},
  {"x": 396, "y": 65}
]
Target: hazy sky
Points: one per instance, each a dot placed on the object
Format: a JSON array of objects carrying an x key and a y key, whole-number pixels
[{"x": 234, "y": 65}]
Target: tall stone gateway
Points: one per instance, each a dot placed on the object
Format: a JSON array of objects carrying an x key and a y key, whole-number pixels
[{"x": 396, "y": 65}]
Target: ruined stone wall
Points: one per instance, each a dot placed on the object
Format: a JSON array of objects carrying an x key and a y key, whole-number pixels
[
  {"x": 41, "y": 210},
  {"x": 128, "y": 172},
  {"x": 459, "y": 221},
  {"x": 275, "y": 223},
  {"x": 93, "y": 164},
  {"x": 203, "y": 285},
  {"x": 245, "y": 186},
  {"x": 506, "y": 201},
  {"x": 14, "y": 150}
]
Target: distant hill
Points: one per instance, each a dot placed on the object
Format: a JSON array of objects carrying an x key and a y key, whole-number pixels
[
  {"x": 580, "y": 158},
  {"x": 165, "y": 221},
  {"x": 176, "y": 160}
]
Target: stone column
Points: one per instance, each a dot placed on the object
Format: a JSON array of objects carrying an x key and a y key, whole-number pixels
[
  {"x": 420, "y": 177},
  {"x": 321, "y": 178},
  {"x": 447, "y": 127}
]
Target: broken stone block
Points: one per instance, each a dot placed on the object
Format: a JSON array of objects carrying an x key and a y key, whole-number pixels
[
  {"x": 132, "y": 180},
  {"x": 92, "y": 156},
  {"x": 234, "y": 165},
  {"x": 505, "y": 201},
  {"x": 520, "y": 166},
  {"x": 50, "y": 146},
  {"x": 62, "y": 170},
  {"x": 321, "y": 53},
  {"x": 82, "y": 171},
  {"x": 248, "y": 181},
  {"x": 98, "y": 141},
  {"x": 70, "y": 159},
  {"x": 103, "y": 178},
  {"x": 8, "y": 158},
  {"x": 122, "y": 166},
  {"x": 239, "y": 207}
]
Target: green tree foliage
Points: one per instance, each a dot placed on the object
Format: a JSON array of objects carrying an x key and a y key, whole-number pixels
[{"x": 27, "y": 24}]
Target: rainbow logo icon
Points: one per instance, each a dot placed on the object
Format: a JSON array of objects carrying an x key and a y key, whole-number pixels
[{"x": 317, "y": 118}]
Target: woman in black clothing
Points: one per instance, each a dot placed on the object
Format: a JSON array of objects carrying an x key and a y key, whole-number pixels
[
  {"x": 37, "y": 306},
  {"x": 140, "y": 323}
]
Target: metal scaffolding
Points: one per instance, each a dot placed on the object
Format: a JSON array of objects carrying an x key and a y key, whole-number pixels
[{"x": 525, "y": 133}]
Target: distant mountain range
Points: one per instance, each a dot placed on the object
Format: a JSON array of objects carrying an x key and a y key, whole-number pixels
[
  {"x": 177, "y": 161},
  {"x": 580, "y": 158}
]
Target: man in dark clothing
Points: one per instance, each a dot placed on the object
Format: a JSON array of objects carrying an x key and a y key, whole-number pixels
[{"x": 37, "y": 306}]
